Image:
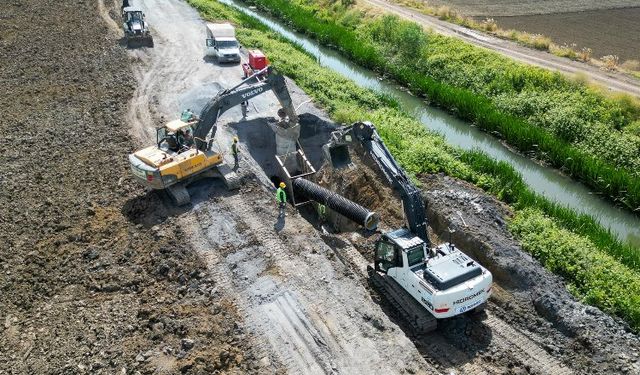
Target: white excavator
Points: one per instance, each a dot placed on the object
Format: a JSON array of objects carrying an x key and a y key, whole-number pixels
[{"x": 423, "y": 282}]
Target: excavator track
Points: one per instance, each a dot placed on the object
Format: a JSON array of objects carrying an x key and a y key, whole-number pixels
[
  {"x": 412, "y": 312},
  {"x": 179, "y": 194}
]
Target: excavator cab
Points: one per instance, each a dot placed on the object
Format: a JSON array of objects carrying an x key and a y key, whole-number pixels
[
  {"x": 174, "y": 136},
  {"x": 387, "y": 256},
  {"x": 391, "y": 247}
]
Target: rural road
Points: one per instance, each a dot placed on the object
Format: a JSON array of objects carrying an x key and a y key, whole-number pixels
[{"x": 612, "y": 81}]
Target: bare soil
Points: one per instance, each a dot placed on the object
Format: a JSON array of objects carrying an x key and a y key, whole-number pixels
[
  {"x": 606, "y": 32},
  {"x": 100, "y": 276},
  {"x": 520, "y": 7},
  {"x": 84, "y": 288}
]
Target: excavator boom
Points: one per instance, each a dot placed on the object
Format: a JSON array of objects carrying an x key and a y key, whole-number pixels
[{"x": 242, "y": 92}]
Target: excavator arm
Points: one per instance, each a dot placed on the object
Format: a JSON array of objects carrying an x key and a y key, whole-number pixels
[
  {"x": 242, "y": 92},
  {"x": 413, "y": 203}
]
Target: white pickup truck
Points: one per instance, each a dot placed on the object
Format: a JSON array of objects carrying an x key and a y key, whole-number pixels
[{"x": 221, "y": 42}]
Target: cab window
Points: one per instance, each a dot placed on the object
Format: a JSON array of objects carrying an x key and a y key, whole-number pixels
[
  {"x": 386, "y": 256},
  {"x": 161, "y": 133},
  {"x": 415, "y": 255}
]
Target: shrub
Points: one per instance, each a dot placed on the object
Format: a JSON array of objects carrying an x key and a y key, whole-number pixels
[
  {"x": 446, "y": 13},
  {"x": 489, "y": 24},
  {"x": 585, "y": 54}
]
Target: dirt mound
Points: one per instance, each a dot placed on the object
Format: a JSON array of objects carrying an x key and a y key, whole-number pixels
[
  {"x": 84, "y": 287},
  {"x": 533, "y": 299},
  {"x": 362, "y": 184}
]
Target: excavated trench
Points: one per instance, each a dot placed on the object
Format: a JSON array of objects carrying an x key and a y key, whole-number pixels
[
  {"x": 532, "y": 324},
  {"x": 260, "y": 144}
]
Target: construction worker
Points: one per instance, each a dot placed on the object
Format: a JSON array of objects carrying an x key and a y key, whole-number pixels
[
  {"x": 243, "y": 107},
  {"x": 322, "y": 212},
  {"x": 188, "y": 138},
  {"x": 125, "y": 3},
  {"x": 235, "y": 151},
  {"x": 281, "y": 197}
]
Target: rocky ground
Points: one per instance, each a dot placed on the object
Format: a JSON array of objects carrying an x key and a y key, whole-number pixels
[{"x": 84, "y": 288}]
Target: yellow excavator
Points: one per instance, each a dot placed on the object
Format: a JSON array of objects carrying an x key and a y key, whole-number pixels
[{"x": 183, "y": 151}]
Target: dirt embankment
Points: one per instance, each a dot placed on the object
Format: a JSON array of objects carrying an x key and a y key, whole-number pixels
[{"x": 84, "y": 288}]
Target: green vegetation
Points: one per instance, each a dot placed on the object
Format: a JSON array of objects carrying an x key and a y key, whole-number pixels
[
  {"x": 596, "y": 277},
  {"x": 564, "y": 123},
  {"x": 537, "y": 41},
  {"x": 421, "y": 151}
]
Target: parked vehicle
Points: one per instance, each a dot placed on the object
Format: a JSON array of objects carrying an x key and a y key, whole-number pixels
[{"x": 221, "y": 42}]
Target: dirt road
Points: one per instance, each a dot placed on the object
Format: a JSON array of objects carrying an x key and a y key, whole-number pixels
[
  {"x": 301, "y": 292},
  {"x": 610, "y": 80}
]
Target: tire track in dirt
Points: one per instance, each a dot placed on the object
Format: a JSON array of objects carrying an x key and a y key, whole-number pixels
[
  {"x": 305, "y": 314},
  {"x": 195, "y": 227},
  {"x": 528, "y": 350}
]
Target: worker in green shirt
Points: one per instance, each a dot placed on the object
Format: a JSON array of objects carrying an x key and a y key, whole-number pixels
[
  {"x": 322, "y": 212},
  {"x": 281, "y": 197},
  {"x": 235, "y": 151}
]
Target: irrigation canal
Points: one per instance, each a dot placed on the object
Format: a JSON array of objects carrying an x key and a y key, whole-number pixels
[{"x": 543, "y": 180}]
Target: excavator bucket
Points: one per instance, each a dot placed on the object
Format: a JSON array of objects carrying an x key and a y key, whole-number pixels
[
  {"x": 338, "y": 155},
  {"x": 336, "y": 151}
]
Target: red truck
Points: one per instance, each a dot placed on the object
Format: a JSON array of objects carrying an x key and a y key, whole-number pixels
[{"x": 257, "y": 61}]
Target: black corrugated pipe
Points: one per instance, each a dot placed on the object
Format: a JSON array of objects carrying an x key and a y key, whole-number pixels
[{"x": 336, "y": 202}]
